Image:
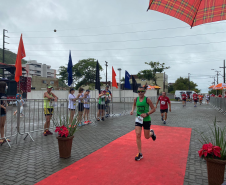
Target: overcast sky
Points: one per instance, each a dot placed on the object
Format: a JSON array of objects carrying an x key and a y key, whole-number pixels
[{"x": 120, "y": 32}]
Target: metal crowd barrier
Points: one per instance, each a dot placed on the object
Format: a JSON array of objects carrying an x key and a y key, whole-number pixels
[
  {"x": 219, "y": 104},
  {"x": 32, "y": 117}
]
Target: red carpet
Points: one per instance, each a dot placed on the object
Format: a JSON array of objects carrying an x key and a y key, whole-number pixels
[{"x": 164, "y": 161}]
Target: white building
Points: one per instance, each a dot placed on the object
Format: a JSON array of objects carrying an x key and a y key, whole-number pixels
[{"x": 38, "y": 69}]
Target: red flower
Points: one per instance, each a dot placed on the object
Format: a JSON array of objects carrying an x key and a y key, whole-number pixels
[
  {"x": 209, "y": 149},
  {"x": 63, "y": 131}
]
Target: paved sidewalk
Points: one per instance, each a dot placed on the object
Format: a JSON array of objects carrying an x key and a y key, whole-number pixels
[{"x": 29, "y": 162}]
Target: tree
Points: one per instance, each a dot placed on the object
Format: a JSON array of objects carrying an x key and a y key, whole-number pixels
[
  {"x": 83, "y": 72},
  {"x": 150, "y": 74},
  {"x": 183, "y": 84},
  {"x": 170, "y": 88}
]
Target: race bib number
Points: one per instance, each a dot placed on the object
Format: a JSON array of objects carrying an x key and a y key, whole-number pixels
[
  {"x": 139, "y": 119},
  {"x": 74, "y": 104},
  {"x": 163, "y": 102}
]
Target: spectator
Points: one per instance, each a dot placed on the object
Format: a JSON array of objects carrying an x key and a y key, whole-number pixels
[
  {"x": 72, "y": 104},
  {"x": 101, "y": 105},
  {"x": 212, "y": 95},
  {"x": 220, "y": 96},
  {"x": 86, "y": 107},
  {"x": 80, "y": 106},
  {"x": 49, "y": 97},
  {"x": 19, "y": 101},
  {"x": 225, "y": 94},
  {"x": 3, "y": 111}
]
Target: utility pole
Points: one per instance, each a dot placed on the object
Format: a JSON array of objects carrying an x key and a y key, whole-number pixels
[
  {"x": 120, "y": 83},
  {"x": 164, "y": 82},
  {"x": 189, "y": 81},
  {"x": 224, "y": 71},
  {"x": 3, "y": 50},
  {"x": 106, "y": 72}
]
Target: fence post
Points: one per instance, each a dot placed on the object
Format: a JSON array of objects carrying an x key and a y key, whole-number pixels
[{"x": 18, "y": 118}]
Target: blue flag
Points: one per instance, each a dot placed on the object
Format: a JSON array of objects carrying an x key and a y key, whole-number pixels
[
  {"x": 69, "y": 70},
  {"x": 127, "y": 77}
]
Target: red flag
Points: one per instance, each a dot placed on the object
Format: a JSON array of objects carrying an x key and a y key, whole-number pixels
[
  {"x": 20, "y": 54},
  {"x": 114, "y": 83}
]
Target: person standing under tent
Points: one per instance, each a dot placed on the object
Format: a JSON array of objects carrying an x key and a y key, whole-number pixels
[
  {"x": 164, "y": 101},
  {"x": 143, "y": 119},
  {"x": 49, "y": 99},
  {"x": 86, "y": 107}
]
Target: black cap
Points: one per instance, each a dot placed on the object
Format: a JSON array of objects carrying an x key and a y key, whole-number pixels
[{"x": 87, "y": 90}]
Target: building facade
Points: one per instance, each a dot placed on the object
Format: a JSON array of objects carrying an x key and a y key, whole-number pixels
[
  {"x": 162, "y": 81},
  {"x": 40, "y": 83},
  {"x": 38, "y": 69}
]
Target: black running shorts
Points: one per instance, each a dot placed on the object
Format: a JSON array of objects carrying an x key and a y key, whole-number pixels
[
  {"x": 164, "y": 110},
  {"x": 196, "y": 101},
  {"x": 100, "y": 106},
  {"x": 146, "y": 125},
  {"x": 81, "y": 107}
]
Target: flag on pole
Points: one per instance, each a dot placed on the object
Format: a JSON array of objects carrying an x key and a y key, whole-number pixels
[
  {"x": 20, "y": 54},
  {"x": 127, "y": 77},
  {"x": 114, "y": 83},
  {"x": 97, "y": 84},
  {"x": 135, "y": 86},
  {"x": 69, "y": 70}
]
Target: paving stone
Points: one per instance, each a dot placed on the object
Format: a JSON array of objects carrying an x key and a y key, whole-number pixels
[{"x": 31, "y": 161}]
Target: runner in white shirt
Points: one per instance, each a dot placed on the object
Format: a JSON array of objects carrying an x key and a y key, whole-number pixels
[
  {"x": 86, "y": 107},
  {"x": 72, "y": 104}
]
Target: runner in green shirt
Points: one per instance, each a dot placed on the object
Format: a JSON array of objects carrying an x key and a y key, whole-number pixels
[{"x": 143, "y": 119}]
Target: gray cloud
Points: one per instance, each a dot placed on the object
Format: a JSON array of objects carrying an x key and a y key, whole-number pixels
[{"x": 86, "y": 17}]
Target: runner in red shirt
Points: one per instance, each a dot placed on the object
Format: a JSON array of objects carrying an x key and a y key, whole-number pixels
[
  {"x": 200, "y": 99},
  {"x": 219, "y": 96},
  {"x": 164, "y": 101},
  {"x": 195, "y": 98},
  {"x": 184, "y": 98}
]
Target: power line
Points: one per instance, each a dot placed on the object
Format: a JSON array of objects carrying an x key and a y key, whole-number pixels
[
  {"x": 134, "y": 40},
  {"x": 95, "y": 27},
  {"x": 134, "y": 48},
  {"x": 141, "y": 31}
]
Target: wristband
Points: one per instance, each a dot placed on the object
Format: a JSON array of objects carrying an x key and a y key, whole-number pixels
[{"x": 147, "y": 114}]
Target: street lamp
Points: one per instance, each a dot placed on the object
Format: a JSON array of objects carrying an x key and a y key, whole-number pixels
[{"x": 120, "y": 83}]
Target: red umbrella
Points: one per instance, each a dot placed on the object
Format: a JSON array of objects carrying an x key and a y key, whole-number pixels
[{"x": 193, "y": 12}]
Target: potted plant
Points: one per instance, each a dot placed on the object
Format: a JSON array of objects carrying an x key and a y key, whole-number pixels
[
  {"x": 214, "y": 152},
  {"x": 65, "y": 136}
]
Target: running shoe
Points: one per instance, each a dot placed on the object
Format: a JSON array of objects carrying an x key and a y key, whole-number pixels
[
  {"x": 102, "y": 118},
  {"x": 164, "y": 122},
  {"x": 82, "y": 123},
  {"x": 79, "y": 125},
  {"x": 45, "y": 133},
  {"x": 86, "y": 122},
  {"x": 49, "y": 133},
  {"x": 153, "y": 135},
  {"x": 89, "y": 121},
  {"x": 162, "y": 118},
  {"x": 138, "y": 157},
  {"x": 98, "y": 119}
]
